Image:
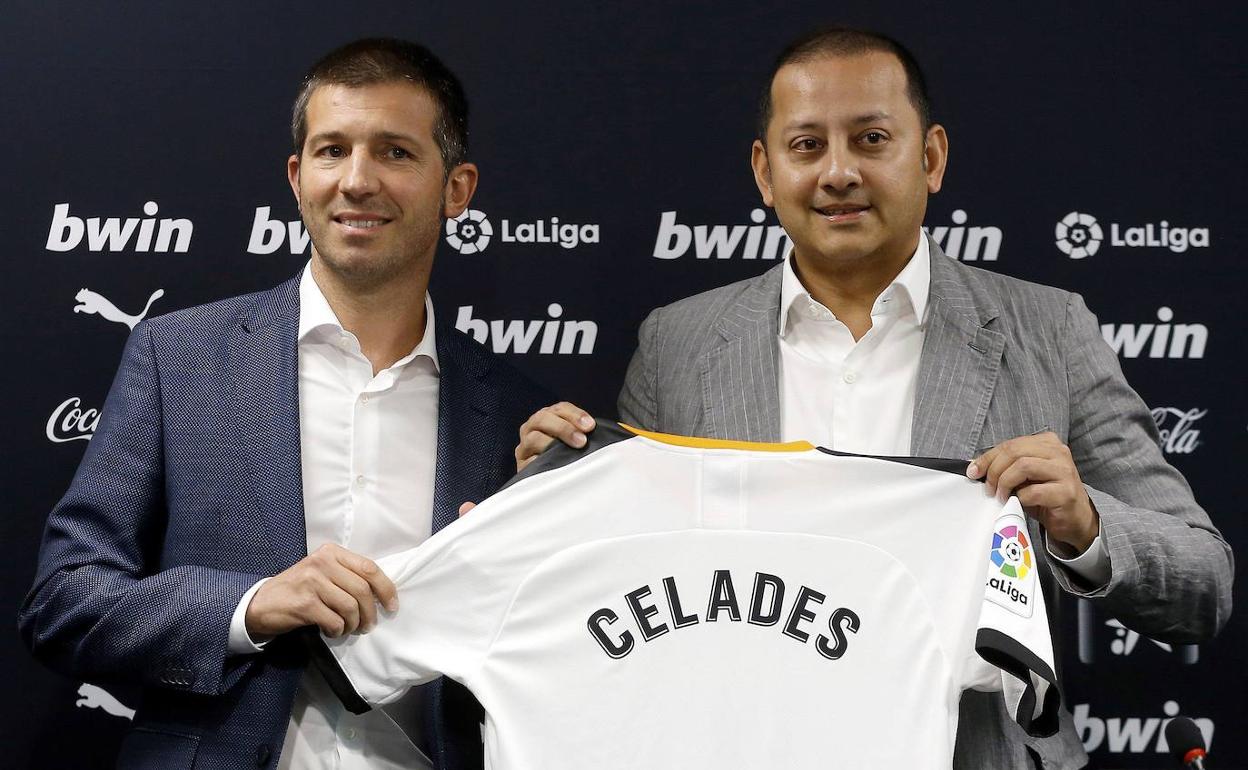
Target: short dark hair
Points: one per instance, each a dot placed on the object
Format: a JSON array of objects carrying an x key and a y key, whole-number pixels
[
  {"x": 844, "y": 41},
  {"x": 382, "y": 60}
]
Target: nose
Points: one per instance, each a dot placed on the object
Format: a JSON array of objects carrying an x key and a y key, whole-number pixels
[
  {"x": 840, "y": 169},
  {"x": 359, "y": 177}
]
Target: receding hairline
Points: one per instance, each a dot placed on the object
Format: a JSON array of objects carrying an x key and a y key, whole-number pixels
[{"x": 843, "y": 43}]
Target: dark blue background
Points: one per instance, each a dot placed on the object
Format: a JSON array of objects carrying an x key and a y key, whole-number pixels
[{"x": 611, "y": 115}]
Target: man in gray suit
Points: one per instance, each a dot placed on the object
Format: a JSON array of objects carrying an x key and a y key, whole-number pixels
[{"x": 869, "y": 339}]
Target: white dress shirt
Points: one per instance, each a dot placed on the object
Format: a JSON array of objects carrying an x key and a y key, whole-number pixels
[
  {"x": 368, "y": 446},
  {"x": 846, "y": 395},
  {"x": 859, "y": 396}
]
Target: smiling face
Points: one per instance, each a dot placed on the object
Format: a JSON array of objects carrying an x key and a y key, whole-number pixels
[
  {"x": 846, "y": 164},
  {"x": 370, "y": 182}
]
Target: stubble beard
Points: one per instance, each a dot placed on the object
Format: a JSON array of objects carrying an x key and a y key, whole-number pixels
[{"x": 373, "y": 272}]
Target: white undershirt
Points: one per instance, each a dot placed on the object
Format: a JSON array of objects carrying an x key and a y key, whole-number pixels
[
  {"x": 859, "y": 396},
  {"x": 368, "y": 446}
]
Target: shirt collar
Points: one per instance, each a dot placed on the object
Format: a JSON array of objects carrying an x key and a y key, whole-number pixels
[
  {"x": 913, "y": 283},
  {"x": 316, "y": 316}
]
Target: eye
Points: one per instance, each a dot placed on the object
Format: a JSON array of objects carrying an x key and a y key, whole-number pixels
[
  {"x": 874, "y": 137},
  {"x": 397, "y": 153},
  {"x": 806, "y": 144},
  {"x": 332, "y": 151}
]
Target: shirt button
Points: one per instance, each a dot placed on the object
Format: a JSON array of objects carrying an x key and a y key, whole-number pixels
[
  {"x": 359, "y": 480},
  {"x": 850, "y": 377},
  {"x": 364, "y": 399},
  {"x": 350, "y": 733}
]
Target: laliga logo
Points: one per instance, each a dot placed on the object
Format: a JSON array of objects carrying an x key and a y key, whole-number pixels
[
  {"x": 1124, "y": 642},
  {"x": 1011, "y": 553},
  {"x": 469, "y": 232},
  {"x": 1078, "y": 235}
]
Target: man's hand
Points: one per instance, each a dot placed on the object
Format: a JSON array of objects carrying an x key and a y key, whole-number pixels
[
  {"x": 1041, "y": 473},
  {"x": 331, "y": 588},
  {"x": 567, "y": 422}
]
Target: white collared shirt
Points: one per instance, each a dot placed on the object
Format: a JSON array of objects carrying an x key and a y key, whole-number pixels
[
  {"x": 846, "y": 395},
  {"x": 859, "y": 396},
  {"x": 368, "y": 446}
]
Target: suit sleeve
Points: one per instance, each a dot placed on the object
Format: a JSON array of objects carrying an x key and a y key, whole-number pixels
[
  {"x": 101, "y": 607},
  {"x": 638, "y": 402},
  {"x": 1171, "y": 570}
]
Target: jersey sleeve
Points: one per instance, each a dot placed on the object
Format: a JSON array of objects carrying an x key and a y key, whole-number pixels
[
  {"x": 456, "y": 588},
  {"x": 454, "y": 591},
  {"x": 1013, "y": 632}
]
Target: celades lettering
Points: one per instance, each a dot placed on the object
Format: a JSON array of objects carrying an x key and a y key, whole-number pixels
[{"x": 767, "y": 606}]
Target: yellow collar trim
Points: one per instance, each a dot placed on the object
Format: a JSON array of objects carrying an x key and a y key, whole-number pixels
[{"x": 715, "y": 443}]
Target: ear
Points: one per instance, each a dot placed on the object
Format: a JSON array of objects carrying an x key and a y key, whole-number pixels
[
  {"x": 292, "y": 176},
  {"x": 461, "y": 183},
  {"x": 935, "y": 156},
  {"x": 762, "y": 172}
]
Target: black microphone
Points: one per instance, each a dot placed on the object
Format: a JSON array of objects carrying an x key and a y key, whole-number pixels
[{"x": 1186, "y": 743}]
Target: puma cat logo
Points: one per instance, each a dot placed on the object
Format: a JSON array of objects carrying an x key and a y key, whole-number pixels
[
  {"x": 98, "y": 698},
  {"x": 93, "y": 302}
]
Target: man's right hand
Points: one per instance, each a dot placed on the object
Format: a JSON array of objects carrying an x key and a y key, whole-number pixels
[
  {"x": 331, "y": 588},
  {"x": 567, "y": 422}
]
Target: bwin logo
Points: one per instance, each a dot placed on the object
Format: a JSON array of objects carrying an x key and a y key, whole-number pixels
[
  {"x": 1133, "y": 735},
  {"x": 968, "y": 244},
  {"x": 117, "y": 234},
  {"x": 1185, "y": 340},
  {"x": 268, "y": 235},
  {"x": 1078, "y": 235},
  {"x": 93, "y": 302},
  {"x": 564, "y": 337},
  {"x": 470, "y": 232},
  {"x": 756, "y": 241}
]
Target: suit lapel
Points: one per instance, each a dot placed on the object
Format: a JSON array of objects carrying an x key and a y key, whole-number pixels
[
  {"x": 467, "y": 455},
  {"x": 740, "y": 377},
  {"x": 959, "y": 365},
  {"x": 264, "y": 377}
]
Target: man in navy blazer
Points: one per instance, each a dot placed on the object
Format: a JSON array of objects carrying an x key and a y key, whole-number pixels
[{"x": 185, "y": 522}]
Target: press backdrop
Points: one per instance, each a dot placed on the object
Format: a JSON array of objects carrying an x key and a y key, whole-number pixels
[{"x": 1097, "y": 147}]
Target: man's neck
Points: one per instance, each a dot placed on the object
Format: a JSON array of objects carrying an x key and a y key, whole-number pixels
[
  {"x": 388, "y": 318},
  {"x": 850, "y": 290}
]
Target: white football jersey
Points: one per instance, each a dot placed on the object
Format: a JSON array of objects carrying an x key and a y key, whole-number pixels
[{"x": 666, "y": 602}]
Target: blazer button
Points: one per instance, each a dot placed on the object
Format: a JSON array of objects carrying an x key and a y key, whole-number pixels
[{"x": 263, "y": 754}]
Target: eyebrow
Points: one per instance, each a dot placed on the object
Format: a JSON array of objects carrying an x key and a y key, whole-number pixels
[
  {"x": 390, "y": 136},
  {"x": 870, "y": 117}
]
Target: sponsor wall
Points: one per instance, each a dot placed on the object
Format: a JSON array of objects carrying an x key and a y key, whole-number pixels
[{"x": 1094, "y": 149}]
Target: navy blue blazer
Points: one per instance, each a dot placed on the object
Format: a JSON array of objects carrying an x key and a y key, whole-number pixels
[{"x": 190, "y": 491}]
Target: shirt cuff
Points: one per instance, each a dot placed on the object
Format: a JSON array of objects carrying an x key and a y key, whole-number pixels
[
  {"x": 240, "y": 642},
  {"x": 1092, "y": 565}
]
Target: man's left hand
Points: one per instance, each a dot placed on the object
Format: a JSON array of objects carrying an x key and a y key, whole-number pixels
[{"x": 1041, "y": 473}]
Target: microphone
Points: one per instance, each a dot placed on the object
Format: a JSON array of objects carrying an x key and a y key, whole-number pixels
[{"x": 1186, "y": 743}]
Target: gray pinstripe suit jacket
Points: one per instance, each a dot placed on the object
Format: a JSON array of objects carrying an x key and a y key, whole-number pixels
[{"x": 1001, "y": 358}]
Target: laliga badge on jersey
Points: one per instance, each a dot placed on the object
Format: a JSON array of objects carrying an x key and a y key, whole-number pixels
[{"x": 1011, "y": 566}]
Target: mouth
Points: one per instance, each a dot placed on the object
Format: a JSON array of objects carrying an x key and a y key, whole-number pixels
[
  {"x": 842, "y": 212},
  {"x": 359, "y": 222}
]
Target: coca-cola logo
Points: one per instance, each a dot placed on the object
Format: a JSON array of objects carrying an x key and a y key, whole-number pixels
[
  {"x": 1175, "y": 425},
  {"x": 70, "y": 422}
]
